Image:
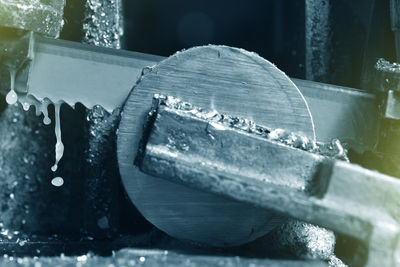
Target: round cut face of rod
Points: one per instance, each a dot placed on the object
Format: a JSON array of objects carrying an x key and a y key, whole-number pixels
[{"x": 231, "y": 81}]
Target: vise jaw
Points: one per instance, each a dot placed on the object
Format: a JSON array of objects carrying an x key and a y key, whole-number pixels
[{"x": 240, "y": 160}]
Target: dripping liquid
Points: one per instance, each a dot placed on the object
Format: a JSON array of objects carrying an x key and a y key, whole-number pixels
[
  {"x": 41, "y": 108},
  {"x": 59, "y": 144},
  {"x": 12, "y": 96}
]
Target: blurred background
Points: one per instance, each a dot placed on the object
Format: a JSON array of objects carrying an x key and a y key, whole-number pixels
[{"x": 328, "y": 41}]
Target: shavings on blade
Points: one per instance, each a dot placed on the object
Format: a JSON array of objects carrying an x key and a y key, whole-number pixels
[{"x": 333, "y": 149}]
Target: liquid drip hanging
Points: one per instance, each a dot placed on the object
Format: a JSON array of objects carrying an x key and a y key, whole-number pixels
[{"x": 41, "y": 108}]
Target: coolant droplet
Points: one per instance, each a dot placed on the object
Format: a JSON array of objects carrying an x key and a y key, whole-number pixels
[
  {"x": 44, "y": 110},
  {"x": 25, "y": 106},
  {"x": 57, "y": 181},
  {"x": 46, "y": 120},
  {"x": 59, "y": 144},
  {"x": 12, "y": 96}
]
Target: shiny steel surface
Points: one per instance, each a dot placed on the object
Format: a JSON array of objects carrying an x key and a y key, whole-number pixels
[{"x": 219, "y": 78}]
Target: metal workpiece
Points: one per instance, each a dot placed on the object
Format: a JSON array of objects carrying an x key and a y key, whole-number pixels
[
  {"x": 232, "y": 81},
  {"x": 242, "y": 163},
  {"x": 41, "y": 16}
]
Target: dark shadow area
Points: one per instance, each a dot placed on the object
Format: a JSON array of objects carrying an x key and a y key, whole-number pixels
[{"x": 273, "y": 29}]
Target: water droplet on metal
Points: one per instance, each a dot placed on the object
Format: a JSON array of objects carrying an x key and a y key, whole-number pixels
[{"x": 57, "y": 181}]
